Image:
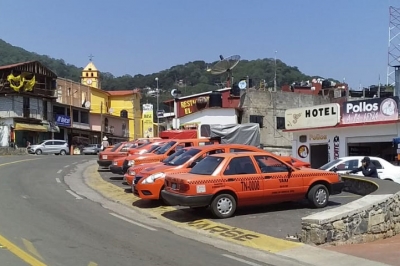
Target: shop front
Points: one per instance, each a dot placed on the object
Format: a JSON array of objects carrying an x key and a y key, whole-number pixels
[{"x": 367, "y": 128}]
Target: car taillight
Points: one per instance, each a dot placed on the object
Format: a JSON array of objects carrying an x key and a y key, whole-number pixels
[{"x": 183, "y": 187}]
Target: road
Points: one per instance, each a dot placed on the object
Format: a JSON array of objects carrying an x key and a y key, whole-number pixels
[
  {"x": 43, "y": 222},
  {"x": 279, "y": 220}
]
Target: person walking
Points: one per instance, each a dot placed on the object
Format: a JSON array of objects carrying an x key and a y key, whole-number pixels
[{"x": 104, "y": 143}]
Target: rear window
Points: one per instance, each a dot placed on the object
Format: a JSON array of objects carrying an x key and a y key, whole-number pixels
[
  {"x": 207, "y": 166},
  {"x": 184, "y": 157},
  {"x": 116, "y": 146},
  {"x": 166, "y": 147},
  {"x": 173, "y": 156}
]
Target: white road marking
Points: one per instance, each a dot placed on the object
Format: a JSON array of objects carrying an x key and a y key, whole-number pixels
[
  {"x": 133, "y": 222},
  {"x": 75, "y": 163},
  {"x": 59, "y": 171},
  {"x": 58, "y": 180},
  {"x": 24, "y": 196},
  {"x": 74, "y": 194},
  {"x": 66, "y": 166},
  {"x": 241, "y": 260}
]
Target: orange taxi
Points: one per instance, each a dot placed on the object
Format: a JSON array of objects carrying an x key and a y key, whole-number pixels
[
  {"x": 116, "y": 166},
  {"x": 296, "y": 162},
  {"x": 170, "y": 147},
  {"x": 150, "y": 181},
  {"x": 229, "y": 180}
]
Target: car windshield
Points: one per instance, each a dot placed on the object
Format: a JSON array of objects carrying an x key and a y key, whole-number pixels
[
  {"x": 166, "y": 147},
  {"x": 116, "y": 146},
  {"x": 43, "y": 142},
  {"x": 184, "y": 157},
  {"x": 153, "y": 148},
  {"x": 173, "y": 156},
  {"x": 207, "y": 166},
  {"x": 330, "y": 164}
]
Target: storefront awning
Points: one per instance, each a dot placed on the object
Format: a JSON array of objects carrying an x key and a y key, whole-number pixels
[{"x": 30, "y": 127}]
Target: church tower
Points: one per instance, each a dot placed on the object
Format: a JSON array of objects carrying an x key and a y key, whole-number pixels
[{"x": 90, "y": 75}]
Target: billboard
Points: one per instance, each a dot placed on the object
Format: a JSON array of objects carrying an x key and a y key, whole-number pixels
[
  {"x": 370, "y": 110},
  {"x": 325, "y": 115},
  {"x": 147, "y": 118}
]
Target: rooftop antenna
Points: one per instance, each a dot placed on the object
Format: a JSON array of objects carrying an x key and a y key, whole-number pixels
[
  {"x": 225, "y": 65},
  {"x": 379, "y": 87}
]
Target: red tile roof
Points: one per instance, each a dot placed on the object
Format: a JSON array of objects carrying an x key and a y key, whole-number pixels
[
  {"x": 123, "y": 93},
  {"x": 15, "y": 65}
]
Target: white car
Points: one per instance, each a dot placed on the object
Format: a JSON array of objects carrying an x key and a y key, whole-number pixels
[{"x": 386, "y": 170}]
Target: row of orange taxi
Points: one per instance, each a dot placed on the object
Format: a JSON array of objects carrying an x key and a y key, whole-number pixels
[{"x": 202, "y": 173}]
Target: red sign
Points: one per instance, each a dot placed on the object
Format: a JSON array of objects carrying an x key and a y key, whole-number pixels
[{"x": 193, "y": 105}]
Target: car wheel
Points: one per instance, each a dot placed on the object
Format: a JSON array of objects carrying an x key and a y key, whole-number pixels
[
  {"x": 161, "y": 198},
  {"x": 38, "y": 152},
  {"x": 62, "y": 152},
  {"x": 223, "y": 206},
  {"x": 318, "y": 196}
]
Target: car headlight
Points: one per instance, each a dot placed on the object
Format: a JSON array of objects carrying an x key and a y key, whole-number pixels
[
  {"x": 153, "y": 177},
  {"x": 131, "y": 162},
  {"x": 132, "y": 173},
  {"x": 115, "y": 163}
]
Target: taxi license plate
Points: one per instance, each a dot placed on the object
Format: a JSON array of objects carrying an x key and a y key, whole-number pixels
[
  {"x": 174, "y": 186},
  {"x": 105, "y": 157}
]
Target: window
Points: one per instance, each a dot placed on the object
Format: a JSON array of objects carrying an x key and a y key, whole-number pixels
[
  {"x": 207, "y": 166},
  {"x": 240, "y": 166},
  {"x": 174, "y": 155},
  {"x": 91, "y": 74},
  {"x": 270, "y": 164},
  {"x": 330, "y": 164},
  {"x": 259, "y": 119},
  {"x": 116, "y": 147},
  {"x": 280, "y": 123},
  {"x": 84, "y": 117},
  {"x": 377, "y": 164},
  {"x": 239, "y": 150},
  {"x": 166, "y": 147},
  {"x": 348, "y": 165},
  {"x": 124, "y": 114},
  {"x": 215, "y": 152},
  {"x": 45, "y": 110},
  {"x": 188, "y": 144},
  {"x": 184, "y": 157},
  {"x": 75, "y": 115}
]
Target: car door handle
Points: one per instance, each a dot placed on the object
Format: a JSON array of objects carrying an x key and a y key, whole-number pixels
[
  {"x": 231, "y": 179},
  {"x": 267, "y": 177}
]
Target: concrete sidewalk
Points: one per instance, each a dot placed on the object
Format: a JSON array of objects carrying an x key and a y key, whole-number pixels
[{"x": 384, "y": 250}]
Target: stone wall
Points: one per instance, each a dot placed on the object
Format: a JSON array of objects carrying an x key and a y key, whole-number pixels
[
  {"x": 359, "y": 186},
  {"x": 12, "y": 151},
  {"x": 378, "y": 218}
]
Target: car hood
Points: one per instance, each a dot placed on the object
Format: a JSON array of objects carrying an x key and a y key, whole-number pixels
[{"x": 159, "y": 168}]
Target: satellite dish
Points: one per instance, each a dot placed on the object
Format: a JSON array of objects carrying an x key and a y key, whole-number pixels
[
  {"x": 225, "y": 65},
  {"x": 87, "y": 104},
  {"x": 175, "y": 93}
]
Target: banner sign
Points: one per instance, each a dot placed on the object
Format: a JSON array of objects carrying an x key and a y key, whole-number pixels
[
  {"x": 63, "y": 120},
  {"x": 370, "y": 110},
  {"x": 147, "y": 118}
]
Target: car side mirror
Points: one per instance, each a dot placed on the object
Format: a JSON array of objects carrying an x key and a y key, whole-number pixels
[
  {"x": 334, "y": 169},
  {"x": 290, "y": 169},
  {"x": 193, "y": 164}
]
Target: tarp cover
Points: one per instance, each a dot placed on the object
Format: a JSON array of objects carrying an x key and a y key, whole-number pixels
[
  {"x": 237, "y": 133},
  {"x": 179, "y": 134}
]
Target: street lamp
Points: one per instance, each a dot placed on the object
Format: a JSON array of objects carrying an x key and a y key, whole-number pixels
[{"x": 158, "y": 119}]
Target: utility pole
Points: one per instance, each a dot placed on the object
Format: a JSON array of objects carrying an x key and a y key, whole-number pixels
[
  {"x": 101, "y": 121},
  {"x": 158, "y": 119},
  {"x": 275, "y": 73}
]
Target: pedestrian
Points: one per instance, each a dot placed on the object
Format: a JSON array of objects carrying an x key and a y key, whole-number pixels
[
  {"x": 104, "y": 143},
  {"x": 368, "y": 169}
]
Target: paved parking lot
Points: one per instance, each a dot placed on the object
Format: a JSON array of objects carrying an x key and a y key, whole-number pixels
[{"x": 279, "y": 220}]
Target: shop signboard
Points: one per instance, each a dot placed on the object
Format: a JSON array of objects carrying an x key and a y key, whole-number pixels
[
  {"x": 325, "y": 115},
  {"x": 370, "y": 110}
]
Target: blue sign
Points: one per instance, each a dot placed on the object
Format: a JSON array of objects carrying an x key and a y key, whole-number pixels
[{"x": 63, "y": 120}]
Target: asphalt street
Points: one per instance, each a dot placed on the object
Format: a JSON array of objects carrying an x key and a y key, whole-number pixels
[
  {"x": 279, "y": 220},
  {"x": 48, "y": 222}
]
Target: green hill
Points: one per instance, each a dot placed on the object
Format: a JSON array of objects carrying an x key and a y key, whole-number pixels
[{"x": 191, "y": 77}]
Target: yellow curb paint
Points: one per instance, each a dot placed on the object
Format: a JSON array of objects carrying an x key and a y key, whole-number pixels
[
  {"x": 20, "y": 161},
  {"x": 233, "y": 234},
  {"x": 20, "y": 253},
  {"x": 92, "y": 263},
  {"x": 31, "y": 248}
]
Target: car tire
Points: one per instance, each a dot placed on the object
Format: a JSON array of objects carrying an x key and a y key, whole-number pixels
[
  {"x": 62, "y": 152},
  {"x": 318, "y": 196},
  {"x": 38, "y": 152},
  {"x": 162, "y": 200},
  {"x": 223, "y": 206}
]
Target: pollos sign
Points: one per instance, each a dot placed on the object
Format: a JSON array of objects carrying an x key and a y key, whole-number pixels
[
  {"x": 370, "y": 110},
  {"x": 312, "y": 117}
]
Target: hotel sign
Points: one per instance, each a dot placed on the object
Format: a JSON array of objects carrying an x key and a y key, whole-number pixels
[{"x": 326, "y": 115}]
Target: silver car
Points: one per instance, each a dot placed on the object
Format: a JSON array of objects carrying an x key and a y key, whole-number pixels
[
  {"x": 52, "y": 146},
  {"x": 92, "y": 149}
]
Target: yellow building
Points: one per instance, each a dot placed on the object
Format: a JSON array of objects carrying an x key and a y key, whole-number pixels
[{"x": 112, "y": 104}]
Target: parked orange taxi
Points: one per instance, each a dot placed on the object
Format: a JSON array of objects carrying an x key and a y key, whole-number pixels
[
  {"x": 170, "y": 147},
  {"x": 229, "y": 180},
  {"x": 150, "y": 181},
  {"x": 116, "y": 166}
]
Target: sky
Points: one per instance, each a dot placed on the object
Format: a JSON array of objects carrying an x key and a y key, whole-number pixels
[{"x": 340, "y": 39}]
